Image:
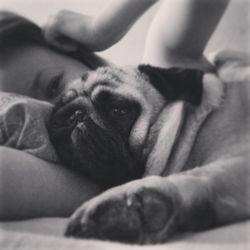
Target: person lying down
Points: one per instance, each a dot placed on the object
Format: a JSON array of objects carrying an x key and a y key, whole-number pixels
[{"x": 165, "y": 196}]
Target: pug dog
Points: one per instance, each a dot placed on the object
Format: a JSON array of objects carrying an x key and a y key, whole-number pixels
[{"x": 172, "y": 146}]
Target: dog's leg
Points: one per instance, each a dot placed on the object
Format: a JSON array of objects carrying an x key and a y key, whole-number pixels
[
  {"x": 153, "y": 209},
  {"x": 218, "y": 191}
]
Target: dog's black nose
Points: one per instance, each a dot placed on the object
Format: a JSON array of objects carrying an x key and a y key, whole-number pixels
[{"x": 76, "y": 117}]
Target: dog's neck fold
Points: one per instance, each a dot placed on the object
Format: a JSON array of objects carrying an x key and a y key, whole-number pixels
[{"x": 178, "y": 130}]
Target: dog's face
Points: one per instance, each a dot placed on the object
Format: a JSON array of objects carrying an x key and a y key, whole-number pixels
[{"x": 101, "y": 124}]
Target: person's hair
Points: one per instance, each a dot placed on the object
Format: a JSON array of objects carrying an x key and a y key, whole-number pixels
[{"x": 17, "y": 31}]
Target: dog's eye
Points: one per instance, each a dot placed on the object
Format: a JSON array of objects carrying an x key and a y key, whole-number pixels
[
  {"x": 76, "y": 117},
  {"x": 119, "y": 112}
]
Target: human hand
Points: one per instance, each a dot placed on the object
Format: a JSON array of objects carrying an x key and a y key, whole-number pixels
[{"x": 67, "y": 30}]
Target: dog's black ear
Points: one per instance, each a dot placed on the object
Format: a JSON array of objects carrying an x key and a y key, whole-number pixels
[{"x": 176, "y": 83}]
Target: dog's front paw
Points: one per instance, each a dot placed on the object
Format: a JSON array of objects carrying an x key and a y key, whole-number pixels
[{"x": 135, "y": 212}]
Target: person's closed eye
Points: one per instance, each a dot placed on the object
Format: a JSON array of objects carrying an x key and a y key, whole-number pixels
[{"x": 55, "y": 86}]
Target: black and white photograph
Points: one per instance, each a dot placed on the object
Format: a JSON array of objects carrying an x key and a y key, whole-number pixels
[{"x": 125, "y": 124}]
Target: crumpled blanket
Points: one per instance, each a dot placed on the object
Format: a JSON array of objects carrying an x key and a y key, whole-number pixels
[{"x": 23, "y": 125}]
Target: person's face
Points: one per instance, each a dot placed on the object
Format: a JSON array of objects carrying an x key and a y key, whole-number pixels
[{"x": 39, "y": 72}]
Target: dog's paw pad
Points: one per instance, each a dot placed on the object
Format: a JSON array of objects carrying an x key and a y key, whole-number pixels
[{"x": 156, "y": 210}]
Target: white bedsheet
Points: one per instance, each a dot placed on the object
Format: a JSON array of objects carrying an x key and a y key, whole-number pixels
[{"x": 48, "y": 234}]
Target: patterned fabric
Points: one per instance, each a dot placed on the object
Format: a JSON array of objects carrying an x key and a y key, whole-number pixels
[{"x": 23, "y": 125}]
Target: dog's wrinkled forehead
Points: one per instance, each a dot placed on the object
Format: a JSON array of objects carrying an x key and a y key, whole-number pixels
[{"x": 111, "y": 76}]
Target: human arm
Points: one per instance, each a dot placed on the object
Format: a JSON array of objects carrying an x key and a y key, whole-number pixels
[
  {"x": 96, "y": 33},
  {"x": 180, "y": 31},
  {"x": 31, "y": 187}
]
